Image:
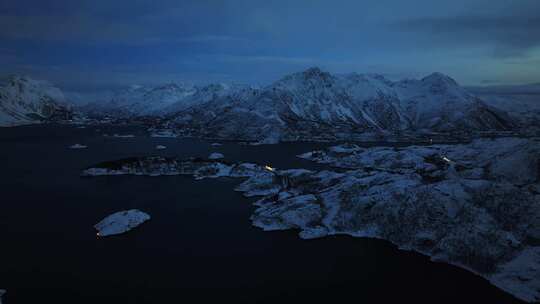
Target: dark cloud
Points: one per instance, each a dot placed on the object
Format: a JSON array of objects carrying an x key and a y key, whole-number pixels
[
  {"x": 510, "y": 33},
  {"x": 99, "y": 42}
]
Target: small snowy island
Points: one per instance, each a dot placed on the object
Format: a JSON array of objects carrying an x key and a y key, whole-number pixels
[
  {"x": 216, "y": 155},
  {"x": 123, "y": 135},
  {"x": 121, "y": 222},
  {"x": 78, "y": 146}
]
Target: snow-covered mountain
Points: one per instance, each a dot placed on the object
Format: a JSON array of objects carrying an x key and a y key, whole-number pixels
[
  {"x": 437, "y": 102},
  {"x": 316, "y": 104},
  {"x": 25, "y": 101},
  {"x": 143, "y": 100},
  {"x": 138, "y": 100}
]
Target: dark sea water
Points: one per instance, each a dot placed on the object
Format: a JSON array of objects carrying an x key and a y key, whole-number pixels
[{"x": 199, "y": 246}]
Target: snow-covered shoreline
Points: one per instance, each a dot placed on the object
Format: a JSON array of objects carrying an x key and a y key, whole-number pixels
[{"x": 471, "y": 205}]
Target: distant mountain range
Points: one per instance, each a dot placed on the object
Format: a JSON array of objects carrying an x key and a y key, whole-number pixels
[
  {"x": 314, "y": 103},
  {"x": 304, "y": 105}
]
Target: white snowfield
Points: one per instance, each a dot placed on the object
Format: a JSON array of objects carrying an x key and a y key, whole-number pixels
[
  {"x": 27, "y": 101},
  {"x": 121, "y": 222}
]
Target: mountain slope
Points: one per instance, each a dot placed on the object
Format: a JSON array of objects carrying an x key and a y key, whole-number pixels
[
  {"x": 522, "y": 102},
  {"x": 438, "y": 103},
  {"x": 316, "y": 105},
  {"x": 137, "y": 101},
  {"x": 142, "y": 100},
  {"x": 25, "y": 101}
]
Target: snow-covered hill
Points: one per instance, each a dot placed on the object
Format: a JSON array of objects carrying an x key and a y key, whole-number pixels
[
  {"x": 437, "y": 102},
  {"x": 25, "y": 101},
  {"x": 315, "y": 104}
]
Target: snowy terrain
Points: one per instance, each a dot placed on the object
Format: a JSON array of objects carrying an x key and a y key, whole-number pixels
[
  {"x": 161, "y": 166},
  {"x": 138, "y": 100},
  {"x": 142, "y": 100},
  {"x": 121, "y": 222},
  {"x": 316, "y": 105},
  {"x": 310, "y": 105},
  {"x": 26, "y": 101},
  {"x": 473, "y": 205}
]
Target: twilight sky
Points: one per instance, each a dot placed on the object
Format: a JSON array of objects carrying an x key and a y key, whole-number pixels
[{"x": 96, "y": 45}]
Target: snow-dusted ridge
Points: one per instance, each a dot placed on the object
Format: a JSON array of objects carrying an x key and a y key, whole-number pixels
[
  {"x": 141, "y": 101},
  {"x": 314, "y": 104},
  {"x": 26, "y": 101},
  {"x": 311, "y": 105}
]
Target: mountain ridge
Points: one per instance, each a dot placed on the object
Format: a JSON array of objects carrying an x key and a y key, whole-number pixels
[
  {"x": 352, "y": 103},
  {"x": 25, "y": 101}
]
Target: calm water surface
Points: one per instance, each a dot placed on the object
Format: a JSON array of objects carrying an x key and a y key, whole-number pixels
[{"x": 199, "y": 244}]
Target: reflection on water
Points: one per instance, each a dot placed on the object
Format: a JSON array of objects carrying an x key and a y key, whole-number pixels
[{"x": 199, "y": 243}]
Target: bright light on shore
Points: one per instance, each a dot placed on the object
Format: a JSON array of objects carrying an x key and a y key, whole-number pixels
[
  {"x": 446, "y": 159},
  {"x": 269, "y": 168}
]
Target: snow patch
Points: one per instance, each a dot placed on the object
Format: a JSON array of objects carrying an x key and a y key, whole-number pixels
[{"x": 121, "y": 222}]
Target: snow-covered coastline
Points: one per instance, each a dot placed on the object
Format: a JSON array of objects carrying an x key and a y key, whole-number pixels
[
  {"x": 471, "y": 205},
  {"x": 163, "y": 166},
  {"x": 474, "y": 206}
]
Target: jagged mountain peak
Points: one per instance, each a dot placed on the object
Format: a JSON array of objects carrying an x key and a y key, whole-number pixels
[{"x": 302, "y": 102}]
